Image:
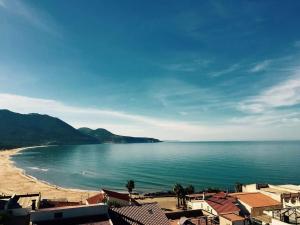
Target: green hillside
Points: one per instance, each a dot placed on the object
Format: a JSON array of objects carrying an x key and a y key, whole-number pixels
[
  {"x": 18, "y": 130},
  {"x": 104, "y": 136}
]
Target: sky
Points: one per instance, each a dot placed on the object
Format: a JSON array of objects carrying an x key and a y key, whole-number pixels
[{"x": 175, "y": 70}]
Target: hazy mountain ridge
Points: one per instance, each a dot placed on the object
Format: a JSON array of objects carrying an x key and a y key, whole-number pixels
[
  {"x": 105, "y": 136},
  {"x": 20, "y": 130}
]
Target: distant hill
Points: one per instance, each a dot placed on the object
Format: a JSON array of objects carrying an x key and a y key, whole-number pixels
[
  {"x": 18, "y": 130},
  {"x": 104, "y": 136},
  {"x": 21, "y": 130}
]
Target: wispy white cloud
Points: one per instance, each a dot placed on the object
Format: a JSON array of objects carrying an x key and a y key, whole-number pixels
[
  {"x": 260, "y": 66},
  {"x": 35, "y": 17},
  {"x": 227, "y": 70},
  {"x": 273, "y": 118},
  {"x": 191, "y": 66},
  {"x": 297, "y": 44},
  {"x": 2, "y": 4},
  {"x": 132, "y": 124},
  {"x": 284, "y": 94}
]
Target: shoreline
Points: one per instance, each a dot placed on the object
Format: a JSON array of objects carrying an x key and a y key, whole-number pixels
[{"x": 15, "y": 180}]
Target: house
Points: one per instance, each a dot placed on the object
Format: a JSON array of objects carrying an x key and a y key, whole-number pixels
[
  {"x": 145, "y": 214},
  {"x": 218, "y": 204},
  {"x": 111, "y": 197},
  {"x": 255, "y": 203},
  {"x": 288, "y": 194},
  {"x": 72, "y": 215}
]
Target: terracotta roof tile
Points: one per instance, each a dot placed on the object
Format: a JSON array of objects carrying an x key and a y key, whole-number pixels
[
  {"x": 222, "y": 203},
  {"x": 98, "y": 198},
  {"x": 148, "y": 214},
  {"x": 256, "y": 199}
]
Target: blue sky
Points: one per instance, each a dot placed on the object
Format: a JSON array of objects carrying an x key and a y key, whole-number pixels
[{"x": 176, "y": 70}]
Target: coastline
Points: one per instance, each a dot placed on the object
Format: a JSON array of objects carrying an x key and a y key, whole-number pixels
[{"x": 15, "y": 180}]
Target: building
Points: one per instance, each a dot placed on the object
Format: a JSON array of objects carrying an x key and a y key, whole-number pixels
[
  {"x": 15, "y": 209},
  {"x": 72, "y": 215},
  {"x": 145, "y": 214},
  {"x": 255, "y": 205},
  {"x": 288, "y": 195},
  {"x": 216, "y": 205},
  {"x": 111, "y": 197}
]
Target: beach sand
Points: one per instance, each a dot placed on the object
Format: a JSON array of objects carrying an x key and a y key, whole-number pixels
[{"x": 14, "y": 181}]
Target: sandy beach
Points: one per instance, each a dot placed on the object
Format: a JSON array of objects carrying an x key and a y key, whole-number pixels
[{"x": 14, "y": 180}]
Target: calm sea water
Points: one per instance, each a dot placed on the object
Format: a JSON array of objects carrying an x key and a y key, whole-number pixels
[{"x": 156, "y": 167}]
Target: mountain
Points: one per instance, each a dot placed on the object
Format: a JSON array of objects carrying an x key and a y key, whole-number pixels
[
  {"x": 18, "y": 130},
  {"x": 21, "y": 130},
  {"x": 104, "y": 136}
]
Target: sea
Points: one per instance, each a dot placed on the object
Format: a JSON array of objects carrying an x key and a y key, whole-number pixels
[{"x": 158, "y": 166}]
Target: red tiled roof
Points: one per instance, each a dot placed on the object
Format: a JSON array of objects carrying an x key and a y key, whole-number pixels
[
  {"x": 117, "y": 195},
  {"x": 149, "y": 214},
  {"x": 222, "y": 203},
  {"x": 98, "y": 198},
  {"x": 120, "y": 196}
]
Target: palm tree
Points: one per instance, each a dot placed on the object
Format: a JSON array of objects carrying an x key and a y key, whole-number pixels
[
  {"x": 130, "y": 186},
  {"x": 187, "y": 191},
  {"x": 190, "y": 189},
  {"x": 178, "y": 191}
]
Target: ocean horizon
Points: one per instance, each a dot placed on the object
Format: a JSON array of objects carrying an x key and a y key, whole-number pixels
[{"x": 158, "y": 166}]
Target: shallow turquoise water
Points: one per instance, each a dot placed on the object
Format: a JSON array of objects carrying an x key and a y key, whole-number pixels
[{"x": 157, "y": 166}]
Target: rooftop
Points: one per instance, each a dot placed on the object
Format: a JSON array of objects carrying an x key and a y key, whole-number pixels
[
  {"x": 256, "y": 199},
  {"x": 150, "y": 214},
  {"x": 98, "y": 198},
  {"x": 222, "y": 203}
]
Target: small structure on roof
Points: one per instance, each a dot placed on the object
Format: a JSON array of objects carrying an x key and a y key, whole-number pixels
[{"x": 232, "y": 219}]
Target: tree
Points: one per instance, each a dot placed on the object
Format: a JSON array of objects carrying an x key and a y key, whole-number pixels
[
  {"x": 130, "y": 186},
  {"x": 190, "y": 189},
  {"x": 238, "y": 187},
  {"x": 178, "y": 191}
]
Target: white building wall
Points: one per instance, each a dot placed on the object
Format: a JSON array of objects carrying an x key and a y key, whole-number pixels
[
  {"x": 249, "y": 188},
  {"x": 201, "y": 204},
  {"x": 278, "y": 222},
  {"x": 71, "y": 212}
]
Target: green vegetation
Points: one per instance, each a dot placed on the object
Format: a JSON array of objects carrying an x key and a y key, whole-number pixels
[
  {"x": 104, "y": 136},
  {"x": 181, "y": 192},
  {"x": 21, "y": 130},
  {"x": 130, "y": 186}
]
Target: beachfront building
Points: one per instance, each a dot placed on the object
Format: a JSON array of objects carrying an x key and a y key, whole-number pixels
[
  {"x": 15, "y": 209},
  {"x": 255, "y": 205},
  {"x": 218, "y": 204},
  {"x": 111, "y": 197},
  {"x": 81, "y": 214},
  {"x": 288, "y": 195}
]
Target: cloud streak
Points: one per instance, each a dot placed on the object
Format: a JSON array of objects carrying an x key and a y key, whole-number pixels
[
  {"x": 284, "y": 94},
  {"x": 138, "y": 125},
  {"x": 33, "y": 16},
  {"x": 261, "y": 66}
]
